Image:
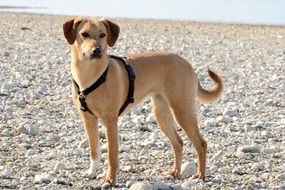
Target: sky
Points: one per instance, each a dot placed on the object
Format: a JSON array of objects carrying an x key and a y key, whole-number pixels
[{"x": 234, "y": 11}]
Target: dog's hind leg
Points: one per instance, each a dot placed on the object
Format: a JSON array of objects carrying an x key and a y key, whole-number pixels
[
  {"x": 166, "y": 123},
  {"x": 186, "y": 117}
]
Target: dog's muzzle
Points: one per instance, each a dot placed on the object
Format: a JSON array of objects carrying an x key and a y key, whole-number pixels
[{"x": 96, "y": 53}]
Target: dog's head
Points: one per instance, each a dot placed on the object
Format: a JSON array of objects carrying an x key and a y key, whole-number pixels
[{"x": 91, "y": 37}]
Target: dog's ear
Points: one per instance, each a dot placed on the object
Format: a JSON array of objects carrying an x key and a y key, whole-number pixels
[
  {"x": 113, "y": 31},
  {"x": 69, "y": 29}
]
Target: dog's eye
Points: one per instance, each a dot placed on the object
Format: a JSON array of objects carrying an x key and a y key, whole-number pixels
[
  {"x": 102, "y": 35},
  {"x": 85, "y": 34}
]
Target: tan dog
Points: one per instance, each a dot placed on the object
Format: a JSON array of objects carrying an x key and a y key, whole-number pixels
[{"x": 168, "y": 79}]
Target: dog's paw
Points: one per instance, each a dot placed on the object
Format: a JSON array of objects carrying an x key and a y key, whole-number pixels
[
  {"x": 174, "y": 173},
  {"x": 90, "y": 174},
  {"x": 108, "y": 182},
  {"x": 198, "y": 176}
]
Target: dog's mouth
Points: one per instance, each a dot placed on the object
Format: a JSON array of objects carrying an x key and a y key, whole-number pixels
[
  {"x": 92, "y": 56},
  {"x": 95, "y": 56}
]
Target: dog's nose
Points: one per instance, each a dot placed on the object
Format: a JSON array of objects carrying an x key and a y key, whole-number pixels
[{"x": 96, "y": 52}]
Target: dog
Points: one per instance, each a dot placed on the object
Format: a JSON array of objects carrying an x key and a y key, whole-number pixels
[{"x": 168, "y": 79}]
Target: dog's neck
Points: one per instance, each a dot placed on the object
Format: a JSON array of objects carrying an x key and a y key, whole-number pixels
[{"x": 86, "y": 72}]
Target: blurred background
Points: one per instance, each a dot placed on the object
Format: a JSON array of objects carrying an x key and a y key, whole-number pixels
[{"x": 232, "y": 11}]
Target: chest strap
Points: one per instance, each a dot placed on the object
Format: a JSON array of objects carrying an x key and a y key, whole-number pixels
[
  {"x": 132, "y": 77},
  {"x": 83, "y": 94}
]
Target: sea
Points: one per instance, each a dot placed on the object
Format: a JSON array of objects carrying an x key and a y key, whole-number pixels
[{"x": 267, "y": 12}]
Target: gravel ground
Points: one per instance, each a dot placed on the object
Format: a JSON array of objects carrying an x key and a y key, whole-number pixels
[{"x": 42, "y": 140}]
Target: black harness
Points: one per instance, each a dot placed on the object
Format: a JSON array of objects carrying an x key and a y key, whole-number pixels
[{"x": 83, "y": 94}]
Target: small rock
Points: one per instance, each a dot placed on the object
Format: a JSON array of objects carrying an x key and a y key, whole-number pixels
[
  {"x": 270, "y": 150},
  {"x": 31, "y": 152},
  {"x": 6, "y": 132},
  {"x": 224, "y": 119},
  {"x": 83, "y": 144},
  {"x": 230, "y": 112},
  {"x": 52, "y": 140},
  {"x": 102, "y": 134},
  {"x": 62, "y": 182},
  {"x": 193, "y": 184},
  {"x": 218, "y": 156},
  {"x": 257, "y": 167},
  {"x": 281, "y": 177},
  {"x": 129, "y": 184},
  {"x": 188, "y": 169},
  {"x": 250, "y": 187},
  {"x": 6, "y": 54},
  {"x": 23, "y": 129},
  {"x": 59, "y": 166},
  {"x": 249, "y": 128},
  {"x": 43, "y": 178},
  {"x": 210, "y": 123},
  {"x": 34, "y": 130},
  {"x": 141, "y": 186},
  {"x": 161, "y": 186},
  {"x": 238, "y": 171},
  {"x": 104, "y": 148},
  {"x": 6, "y": 173},
  {"x": 249, "y": 149},
  {"x": 127, "y": 169},
  {"x": 281, "y": 187}
]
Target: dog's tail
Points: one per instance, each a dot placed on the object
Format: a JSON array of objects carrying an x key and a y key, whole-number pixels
[{"x": 208, "y": 96}]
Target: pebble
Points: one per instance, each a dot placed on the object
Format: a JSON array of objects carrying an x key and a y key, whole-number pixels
[
  {"x": 193, "y": 184},
  {"x": 31, "y": 152},
  {"x": 83, "y": 144},
  {"x": 230, "y": 112},
  {"x": 59, "y": 167},
  {"x": 23, "y": 129},
  {"x": 141, "y": 186},
  {"x": 249, "y": 149},
  {"x": 43, "y": 178},
  {"x": 281, "y": 177},
  {"x": 188, "y": 169},
  {"x": 6, "y": 173},
  {"x": 34, "y": 130}
]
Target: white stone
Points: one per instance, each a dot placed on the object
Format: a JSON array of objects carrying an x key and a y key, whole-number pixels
[
  {"x": 6, "y": 173},
  {"x": 59, "y": 167},
  {"x": 218, "y": 156},
  {"x": 6, "y": 132},
  {"x": 43, "y": 178},
  {"x": 34, "y": 130},
  {"x": 193, "y": 184},
  {"x": 141, "y": 186},
  {"x": 161, "y": 186},
  {"x": 270, "y": 150},
  {"x": 31, "y": 152},
  {"x": 257, "y": 167},
  {"x": 83, "y": 144},
  {"x": 231, "y": 111},
  {"x": 210, "y": 123},
  {"x": 23, "y": 129},
  {"x": 249, "y": 149},
  {"x": 281, "y": 177},
  {"x": 188, "y": 169}
]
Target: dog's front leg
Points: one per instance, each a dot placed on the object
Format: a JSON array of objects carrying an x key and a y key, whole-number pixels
[
  {"x": 91, "y": 128},
  {"x": 113, "y": 150}
]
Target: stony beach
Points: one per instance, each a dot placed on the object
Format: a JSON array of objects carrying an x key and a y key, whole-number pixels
[{"x": 42, "y": 140}]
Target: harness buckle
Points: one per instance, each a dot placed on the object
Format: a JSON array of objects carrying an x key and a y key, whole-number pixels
[{"x": 82, "y": 100}]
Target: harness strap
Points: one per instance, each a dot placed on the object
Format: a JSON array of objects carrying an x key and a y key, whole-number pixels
[
  {"x": 132, "y": 76},
  {"x": 83, "y": 94}
]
